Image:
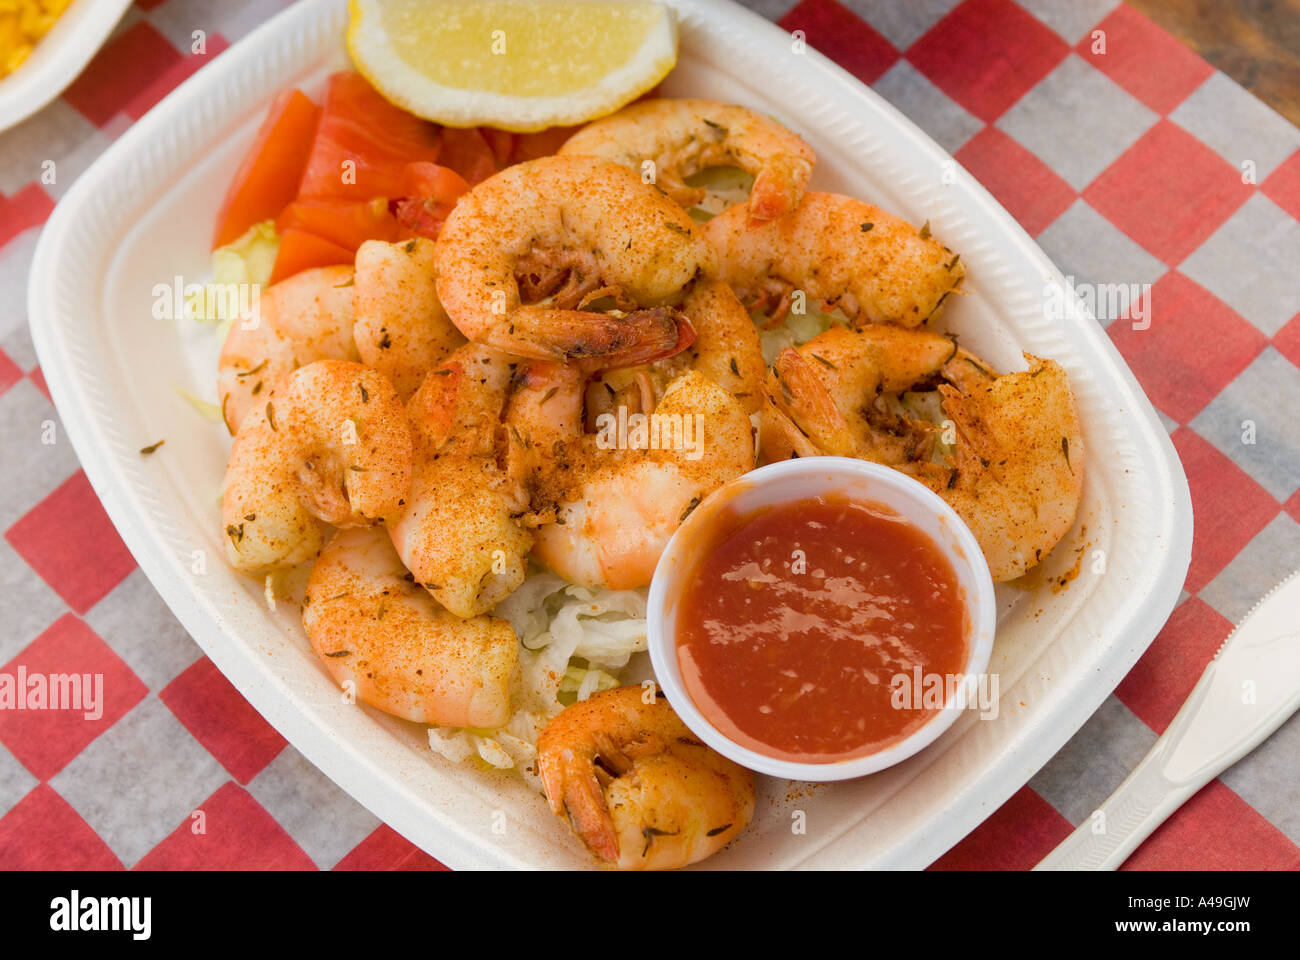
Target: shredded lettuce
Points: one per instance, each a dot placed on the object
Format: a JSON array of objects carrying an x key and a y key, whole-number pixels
[
  {"x": 725, "y": 187},
  {"x": 210, "y": 411},
  {"x": 245, "y": 262},
  {"x": 579, "y": 683},
  {"x": 798, "y": 328},
  {"x": 574, "y": 642},
  {"x": 927, "y": 405},
  {"x": 809, "y": 324},
  {"x": 526, "y": 607},
  {"x": 451, "y": 743}
]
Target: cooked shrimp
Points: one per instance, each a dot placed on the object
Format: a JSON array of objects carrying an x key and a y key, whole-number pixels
[
  {"x": 726, "y": 349},
  {"x": 305, "y": 318},
  {"x": 618, "y": 499},
  {"x": 1015, "y": 474},
  {"x": 528, "y": 250},
  {"x": 401, "y": 652},
  {"x": 682, "y": 137},
  {"x": 842, "y": 252},
  {"x": 638, "y": 788},
  {"x": 331, "y": 445},
  {"x": 401, "y": 329},
  {"x": 460, "y": 533},
  {"x": 822, "y": 394}
]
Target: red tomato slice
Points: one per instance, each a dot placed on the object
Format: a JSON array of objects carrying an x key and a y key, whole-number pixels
[
  {"x": 347, "y": 223},
  {"x": 501, "y": 142},
  {"x": 431, "y": 192},
  {"x": 300, "y": 251},
  {"x": 363, "y": 143},
  {"x": 421, "y": 218},
  {"x": 544, "y": 143},
  {"x": 432, "y": 181},
  {"x": 468, "y": 153},
  {"x": 269, "y": 174}
]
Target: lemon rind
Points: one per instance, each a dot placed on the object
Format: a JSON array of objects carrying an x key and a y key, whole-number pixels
[{"x": 455, "y": 107}]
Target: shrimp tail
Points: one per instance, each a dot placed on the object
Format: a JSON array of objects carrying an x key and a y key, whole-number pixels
[
  {"x": 778, "y": 187},
  {"x": 685, "y": 337},
  {"x": 578, "y": 793},
  {"x": 642, "y": 336},
  {"x": 802, "y": 396}
]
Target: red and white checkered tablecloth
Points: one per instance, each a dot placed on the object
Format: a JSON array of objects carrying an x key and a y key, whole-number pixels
[{"x": 1140, "y": 164}]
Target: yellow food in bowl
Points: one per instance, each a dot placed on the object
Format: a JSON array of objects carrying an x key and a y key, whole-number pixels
[{"x": 22, "y": 24}]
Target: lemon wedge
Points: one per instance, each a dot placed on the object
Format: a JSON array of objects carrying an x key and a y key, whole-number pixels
[{"x": 520, "y": 65}]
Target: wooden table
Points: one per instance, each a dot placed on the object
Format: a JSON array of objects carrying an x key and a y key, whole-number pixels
[{"x": 1256, "y": 42}]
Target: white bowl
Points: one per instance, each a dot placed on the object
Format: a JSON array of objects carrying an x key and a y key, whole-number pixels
[{"x": 795, "y": 480}]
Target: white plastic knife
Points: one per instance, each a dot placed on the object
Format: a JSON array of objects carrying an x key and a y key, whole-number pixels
[{"x": 1248, "y": 690}]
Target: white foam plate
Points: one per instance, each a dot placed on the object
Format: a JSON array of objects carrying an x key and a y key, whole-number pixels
[
  {"x": 143, "y": 215},
  {"x": 58, "y": 57}
]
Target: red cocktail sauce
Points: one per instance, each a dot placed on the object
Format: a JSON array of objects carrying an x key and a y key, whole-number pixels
[{"x": 795, "y": 621}]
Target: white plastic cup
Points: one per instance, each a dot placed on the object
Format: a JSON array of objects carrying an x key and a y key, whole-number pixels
[{"x": 799, "y": 479}]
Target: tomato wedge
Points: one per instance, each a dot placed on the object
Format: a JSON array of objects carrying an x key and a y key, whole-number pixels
[
  {"x": 431, "y": 193},
  {"x": 363, "y": 143},
  {"x": 300, "y": 251},
  {"x": 346, "y": 223},
  {"x": 269, "y": 174},
  {"x": 434, "y": 182},
  {"x": 502, "y": 144},
  {"x": 360, "y": 168},
  {"x": 468, "y": 153},
  {"x": 543, "y": 143}
]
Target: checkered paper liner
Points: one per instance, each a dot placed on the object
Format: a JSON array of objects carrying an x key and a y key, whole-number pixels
[
  {"x": 1125, "y": 165},
  {"x": 1058, "y": 655}
]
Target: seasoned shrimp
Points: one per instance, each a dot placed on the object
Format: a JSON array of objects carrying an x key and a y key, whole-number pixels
[
  {"x": 305, "y": 318},
  {"x": 638, "y": 788},
  {"x": 845, "y": 253},
  {"x": 331, "y": 445},
  {"x": 460, "y": 533},
  {"x": 822, "y": 394},
  {"x": 682, "y": 137},
  {"x": 1015, "y": 470},
  {"x": 1017, "y": 474},
  {"x": 401, "y": 329},
  {"x": 527, "y": 251},
  {"x": 726, "y": 349},
  {"x": 617, "y": 499},
  {"x": 401, "y": 652}
]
